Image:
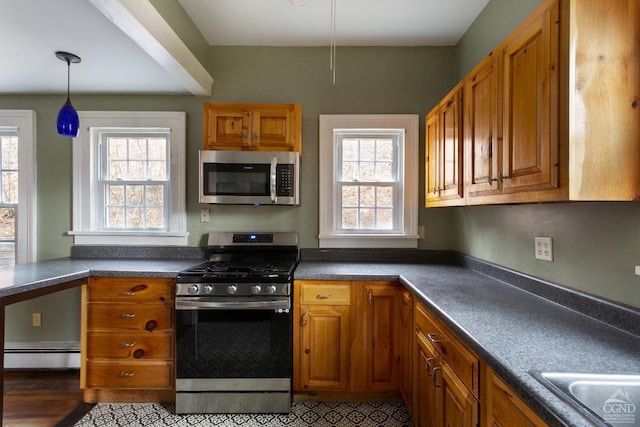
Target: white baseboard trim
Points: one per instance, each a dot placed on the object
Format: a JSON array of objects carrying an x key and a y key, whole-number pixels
[{"x": 42, "y": 355}]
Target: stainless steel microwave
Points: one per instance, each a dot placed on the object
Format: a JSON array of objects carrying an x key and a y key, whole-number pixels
[{"x": 249, "y": 177}]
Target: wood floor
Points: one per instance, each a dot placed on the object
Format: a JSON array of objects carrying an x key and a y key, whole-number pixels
[{"x": 43, "y": 398}]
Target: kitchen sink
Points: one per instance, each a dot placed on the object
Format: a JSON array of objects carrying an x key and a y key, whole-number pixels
[{"x": 606, "y": 400}]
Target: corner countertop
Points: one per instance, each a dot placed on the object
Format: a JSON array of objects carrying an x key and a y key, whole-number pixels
[
  {"x": 512, "y": 330},
  {"x": 24, "y": 278}
]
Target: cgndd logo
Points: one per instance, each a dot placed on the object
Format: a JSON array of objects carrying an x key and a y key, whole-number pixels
[{"x": 619, "y": 409}]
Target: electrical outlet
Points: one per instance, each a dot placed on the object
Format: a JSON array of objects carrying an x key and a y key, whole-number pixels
[
  {"x": 36, "y": 319},
  {"x": 544, "y": 248},
  {"x": 204, "y": 214}
]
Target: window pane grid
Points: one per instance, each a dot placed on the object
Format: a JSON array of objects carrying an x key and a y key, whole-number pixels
[
  {"x": 8, "y": 196},
  {"x": 135, "y": 182},
  {"x": 367, "y": 207}
]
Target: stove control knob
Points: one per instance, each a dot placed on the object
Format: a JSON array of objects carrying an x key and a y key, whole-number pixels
[
  {"x": 193, "y": 289},
  {"x": 208, "y": 289},
  {"x": 232, "y": 289},
  {"x": 256, "y": 289},
  {"x": 271, "y": 289}
]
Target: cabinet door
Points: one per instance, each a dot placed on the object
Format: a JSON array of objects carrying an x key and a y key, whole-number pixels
[
  {"x": 432, "y": 184},
  {"x": 506, "y": 409},
  {"x": 451, "y": 143},
  {"x": 381, "y": 331},
  {"x": 483, "y": 133},
  {"x": 226, "y": 128},
  {"x": 427, "y": 398},
  {"x": 274, "y": 129},
  {"x": 324, "y": 346},
  {"x": 459, "y": 406},
  {"x": 530, "y": 158}
]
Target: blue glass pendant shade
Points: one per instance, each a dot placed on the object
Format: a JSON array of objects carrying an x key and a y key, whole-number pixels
[{"x": 68, "y": 122}]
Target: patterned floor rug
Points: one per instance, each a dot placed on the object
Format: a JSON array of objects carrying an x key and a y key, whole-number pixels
[{"x": 316, "y": 414}]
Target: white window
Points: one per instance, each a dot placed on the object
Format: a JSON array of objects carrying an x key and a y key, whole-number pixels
[
  {"x": 129, "y": 179},
  {"x": 17, "y": 187},
  {"x": 368, "y": 181}
]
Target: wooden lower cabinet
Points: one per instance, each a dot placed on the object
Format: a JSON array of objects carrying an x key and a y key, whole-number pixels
[
  {"x": 127, "y": 339},
  {"x": 346, "y": 336},
  {"x": 503, "y": 408},
  {"x": 447, "y": 379}
]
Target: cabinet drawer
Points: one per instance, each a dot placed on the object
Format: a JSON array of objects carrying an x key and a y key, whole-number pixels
[
  {"x": 130, "y": 289},
  {"x": 325, "y": 293},
  {"x": 129, "y": 345},
  {"x": 129, "y": 317},
  {"x": 461, "y": 360},
  {"x": 130, "y": 375}
]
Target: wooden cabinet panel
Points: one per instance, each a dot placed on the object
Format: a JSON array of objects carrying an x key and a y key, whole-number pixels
[
  {"x": 130, "y": 345},
  {"x": 426, "y": 397},
  {"x": 127, "y": 375},
  {"x": 254, "y": 127},
  {"x": 444, "y": 148},
  {"x": 483, "y": 129},
  {"x": 406, "y": 349},
  {"x": 325, "y": 348},
  {"x": 131, "y": 317},
  {"x": 459, "y": 406},
  {"x": 127, "y": 338},
  {"x": 127, "y": 289},
  {"x": 530, "y": 158},
  {"x": 381, "y": 336},
  {"x": 346, "y": 336},
  {"x": 503, "y": 407}
]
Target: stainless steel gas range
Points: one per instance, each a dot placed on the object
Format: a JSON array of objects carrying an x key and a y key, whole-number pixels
[{"x": 234, "y": 326}]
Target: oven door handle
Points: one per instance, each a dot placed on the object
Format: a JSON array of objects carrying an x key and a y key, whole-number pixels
[{"x": 205, "y": 304}]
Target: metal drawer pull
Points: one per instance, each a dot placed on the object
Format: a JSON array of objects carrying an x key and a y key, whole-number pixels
[
  {"x": 127, "y": 344},
  {"x": 427, "y": 365},
  {"x": 127, "y": 315},
  {"x": 370, "y": 298},
  {"x": 432, "y": 339},
  {"x": 127, "y": 374},
  {"x": 134, "y": 290},
  {"x": 323, "y": 296},
  {"x": 433, "y": 378}
]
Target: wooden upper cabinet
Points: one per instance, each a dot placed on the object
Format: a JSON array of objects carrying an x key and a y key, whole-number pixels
[
  {"x": 530, "y": 157},
  {"x": 257, "y": 127},
  {"x": 483, "y": 128},
  {"x": 444, "y": 186}
]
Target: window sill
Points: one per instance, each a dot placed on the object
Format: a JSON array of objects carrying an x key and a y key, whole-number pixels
[
  {"x": 368, "y": 241},
  {"x": 129, "y": 238}
]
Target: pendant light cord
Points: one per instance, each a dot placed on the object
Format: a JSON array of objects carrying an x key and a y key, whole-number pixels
[
  {"x": 68, "y": 79},
  {"x": 332, "y": 54}
]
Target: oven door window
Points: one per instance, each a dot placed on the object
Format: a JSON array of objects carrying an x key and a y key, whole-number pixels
[
  {"x": 233, "y": 344},
  {"x": 222, "y": 179}
]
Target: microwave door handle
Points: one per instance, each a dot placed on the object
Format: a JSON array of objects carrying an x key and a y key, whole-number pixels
[{"x": 274, "y": 164}]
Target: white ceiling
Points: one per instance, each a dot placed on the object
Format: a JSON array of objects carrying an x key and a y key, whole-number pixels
[{"x": 112, "y": 62}]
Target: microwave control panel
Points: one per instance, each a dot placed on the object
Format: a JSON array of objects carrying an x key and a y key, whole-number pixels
[{"x": 284, "y": 178}]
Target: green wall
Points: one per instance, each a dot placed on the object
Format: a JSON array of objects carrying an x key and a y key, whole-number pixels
[{"x": 369, "y": 80}]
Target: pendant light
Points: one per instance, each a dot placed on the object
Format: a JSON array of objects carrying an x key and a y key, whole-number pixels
[{"x": 68, "y": 122}]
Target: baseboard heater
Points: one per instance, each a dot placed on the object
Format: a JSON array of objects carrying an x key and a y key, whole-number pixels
[{"x": 42, "y": 355}]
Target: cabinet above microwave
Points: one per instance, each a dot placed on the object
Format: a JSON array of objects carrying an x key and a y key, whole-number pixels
[{"x": 252, "y": 127}]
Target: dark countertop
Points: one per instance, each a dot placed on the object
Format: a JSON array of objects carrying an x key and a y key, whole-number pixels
[
  {"x": 19, "y": 279},
  {"x": 512, "y": 330}
]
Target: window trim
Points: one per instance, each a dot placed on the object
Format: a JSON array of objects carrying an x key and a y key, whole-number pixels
[
  {"x": 328, "y": 237},
  {"x": 85, "y": 163},
  {"x": 26, "y": 230}
]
